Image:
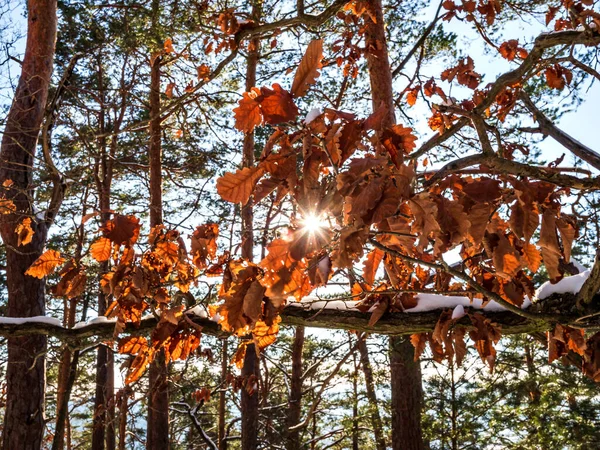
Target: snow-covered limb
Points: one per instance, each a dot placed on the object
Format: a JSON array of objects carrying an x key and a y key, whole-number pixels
[{"x": 322, "y": 313}]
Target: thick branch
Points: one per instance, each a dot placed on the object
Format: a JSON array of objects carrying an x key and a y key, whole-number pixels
[{"x": 548, "y": 128}]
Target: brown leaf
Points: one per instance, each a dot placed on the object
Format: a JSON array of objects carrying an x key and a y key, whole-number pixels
[
  {"x": 101, "y": 249},
  {"x": 308, "y": 69},
  {"x": 371, "y": 265},
  {"x": 24, "y": 232},
  {"x": 378, "y": 312},
  {"x": 122, "y": 229},
  {"x": 248, "y": 114},
  {"x": 549, "y": 244},
  {"x": 277, "y": 105},
  {"x": 237, "y": 187},
  {"x": 45, "y": 264},
  {"x": 418, "y": 341}
]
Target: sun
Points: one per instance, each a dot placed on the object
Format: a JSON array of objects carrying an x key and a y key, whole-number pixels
[{"x": 313, "y": 223}]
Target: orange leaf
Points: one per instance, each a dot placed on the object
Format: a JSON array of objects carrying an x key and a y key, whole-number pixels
[
  {"x": 24, "y": 232},
  {"x": 122, "y": 229},
  {"x": 371, "y": 264},
  {"x": 237, "y": 187},
  {"x": 247, "y": 114},
  {"x": 7, "y": 206},
  {"x": 101, "y": 249},
  {"x": 277, "y": 105},
  {"x": 45, "y": 264},
  {"x": 168, "y": 46},
  {"x": 308, "y": 70}
]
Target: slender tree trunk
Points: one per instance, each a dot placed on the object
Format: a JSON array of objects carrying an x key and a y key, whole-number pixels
[
  {"x": 251, "y": 369},
  {"x": 371, "y": 395},
  {"x": 355, "y": 436},
  {"x": 67, "y": 374},
  {"x": 123, "y": 406},
  {"x": 407, "y": 396},
  {"x": 25, "y": 373},
  {"x": 407, "y": 393},
  {"x": 295, "y": 398},
  {"x": 158, "y": 401},
  {"x": 104, "y": 368},
  {"x": 223, "y": 396}
]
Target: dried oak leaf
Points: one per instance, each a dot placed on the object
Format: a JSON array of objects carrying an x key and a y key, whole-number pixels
[
  {"x": 371, "y": 265},
  {"x": 248, "y": 114},
  {"x": 122, "y": 230},
  {"x": 101, "y": 249},
  {"x": 45, "y": 264},
  {"x": 277, "y": 105},
  {"x": 237, "y": 187},
  {"x": 24, "y": 232},
  {"x": 308, "y": 69}
]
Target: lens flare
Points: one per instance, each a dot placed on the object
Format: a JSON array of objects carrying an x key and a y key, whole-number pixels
[{"x": 313, "y": 223}]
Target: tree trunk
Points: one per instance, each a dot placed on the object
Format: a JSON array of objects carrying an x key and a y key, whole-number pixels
[
  {"x": 25, "y": 374},
  {"x": 295, "y": 398},
  {"x": 123, "y": 406},
  {"x": 371, "y": 395},
  {"x": 251, "y": 369},
  {"x": 407, "y": 393},
  {"x": 223, "y": 396},
  {"x": 104, "y": 368},
  {"x": 158, "y": 401},
  {"x": 67, "y": 373},
  {"x": 407, "y": 396}
]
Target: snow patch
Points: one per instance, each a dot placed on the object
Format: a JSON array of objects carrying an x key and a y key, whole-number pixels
[
  {"x": 570, "y": 285},
  {"x": 95, "y": 321},
  {"x": 459, "y": 312},
  {"x": 430, "y": 302},
  {"x": 312, "y": 115},
  {"x": 35, "y": 319}
]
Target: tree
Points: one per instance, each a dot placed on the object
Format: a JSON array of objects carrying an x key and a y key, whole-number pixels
[{"x": 363, "y": 221}]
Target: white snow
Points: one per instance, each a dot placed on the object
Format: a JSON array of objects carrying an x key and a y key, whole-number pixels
[
  {"x": 312, "y": 302},
  {"x": 459, "y": 311},
  {"x": 429, "y": 302},
  {"x": 570, "y": 284},
  {"x": 35, "y": 319},
  {"x": 312, "y": 115},
  {"x": 95, "y": 320}
]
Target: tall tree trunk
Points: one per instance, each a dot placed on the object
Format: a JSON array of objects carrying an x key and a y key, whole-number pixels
[
  {"x": 25, "y": 375},
  {"x": 295, "y": 398},
  {"x": 251, "y": 369},
  {"x": 223, "y": 396},
  {"x": 104, "y": 368},
  {"x": 407, "y": 393},
  {"x": 407, "y": 396},
  {"x": 371, "y": 395},
  {"x": 355, "y": 433},
  {"x": 158, "y": 401},
  {"x": 123, "y": 406}
]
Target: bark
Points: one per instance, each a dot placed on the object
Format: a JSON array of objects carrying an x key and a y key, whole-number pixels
[
  {"x": 104, "y": 363},
  {"x": 66, "y": 378},
  {"x": 223, "y": 397},
  {"x": 354, "y": 403},
  {"x": 158, "y": 401},
  {"x": 295, "y": 398},
  {"x": 406, "y": 385},
  {"x": 407, "y": 396},
  {"x": 251, "y": 369},
  {"x": 123, "y": 406},
  {"x": 25, "y": 375},
  {"x": 371, "y": 395}
]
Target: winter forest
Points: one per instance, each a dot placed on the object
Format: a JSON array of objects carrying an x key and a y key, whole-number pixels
[{"x": 299, "y": 224}]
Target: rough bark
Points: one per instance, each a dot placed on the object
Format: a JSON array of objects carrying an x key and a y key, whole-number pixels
[
  {"x": 295, "y": 398},
  {"x": 158, "y": 400},
  {"x": 406, "y": 375},
  {"x": 25, "y": 376},
  {"x": 251, "y": 369},
  {"x": 407, "y": 396},
  {"x": 223, "y": 396},
  {"x": 371, "y": 395}
]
